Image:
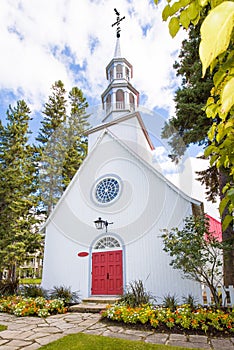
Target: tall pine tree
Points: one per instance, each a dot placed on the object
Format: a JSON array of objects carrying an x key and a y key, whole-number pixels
[
  {"x": 63, "y": 145},
  {"x": 18, "y": 200},
  {"x": 52, "y": 147},
  {"x": 76, "y": 141},
  {"x": 191, "y": 125}
]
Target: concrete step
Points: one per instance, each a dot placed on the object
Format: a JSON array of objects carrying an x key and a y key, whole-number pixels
[
  {"x": 88, "y": 307},
  {"x": 93, "y": 304},
  {"x": 101, "y": 300}
]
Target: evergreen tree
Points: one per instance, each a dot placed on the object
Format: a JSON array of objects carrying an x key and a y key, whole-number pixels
[
  {"x": 191, "y": 126},
  {"x": 63, "y": 145},
  {"x": 76, "y": 141},
  {"x": 18, "y": 200},
  {"x": 52, "y": 147}
]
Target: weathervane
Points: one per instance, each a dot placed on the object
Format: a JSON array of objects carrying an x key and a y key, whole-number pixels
[{"x": 118, "y": 23}]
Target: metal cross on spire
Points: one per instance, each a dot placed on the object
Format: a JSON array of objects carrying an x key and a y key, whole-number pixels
[{"x": 118, "y": 23}]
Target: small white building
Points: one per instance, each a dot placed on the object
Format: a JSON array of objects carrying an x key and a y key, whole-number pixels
[{"x": 117, "y": 183}]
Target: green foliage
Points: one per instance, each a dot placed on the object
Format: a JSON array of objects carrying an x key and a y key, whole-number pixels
[
  {"x": 8, "y": 287},
  {"x": 19, "y": 221},
  {"x": 63, "y": 146},
  {"x": 196, "y": 252},
  {"x": 2, "y": 328},
  {"x": 52, "y": 148},
  {"x": 136, "y": 294},
  {"x": 64, "y": 293},
  {"x": 183, "y": 317},
  {"x": 170, "y": 302},
  {"x": 32, "y": 291},
  {"x": 191, "y": 301},
  {"x": 216, "y": 51},
  {"x": 20, "y": 306},
  {"x": 76, "y": 149}
]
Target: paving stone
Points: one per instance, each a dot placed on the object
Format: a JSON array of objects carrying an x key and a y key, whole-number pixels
[
  {"x": 36, "y": 335},
  {"x": 20, "y": 327},
  {"x": 9, "y": 334},
  {"x": 157, "y": 338},
  {"x": 74, "y": 330},
  {"x": 34, "y": 346},
  {"x": 115, "y": 329},
  {"x": 93, "y": 331},
  {"x": 19, "y": 343},
  {"x": 198, "y": 338},
  {"x": 142, "y": 334},
  {"x": 4, "y": 341},
  {"x": 49, "y": 339},
  {"x": 179, "y": 337},
  {"x": 47, "y": 329},
  {"x": 222, "y": 344},
  {"x": 98, "y": 326},
  {"x": 121, "y": 335}
]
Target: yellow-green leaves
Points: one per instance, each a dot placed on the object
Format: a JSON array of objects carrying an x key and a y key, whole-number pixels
[
  {"x": 174, "y": 26},
  {"x": 216, "y": 33},
  {"x": 227, "y": 96}
]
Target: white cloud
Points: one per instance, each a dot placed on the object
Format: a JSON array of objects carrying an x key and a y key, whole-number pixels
[
  {"x": 185, "y": 179},
  {"x": 41, "y": 39}
]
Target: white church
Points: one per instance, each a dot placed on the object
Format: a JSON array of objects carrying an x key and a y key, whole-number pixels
[{"x": 105, "y": 231}]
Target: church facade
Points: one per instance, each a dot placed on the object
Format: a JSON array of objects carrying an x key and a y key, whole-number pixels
[{"x": 105, "y": 231}]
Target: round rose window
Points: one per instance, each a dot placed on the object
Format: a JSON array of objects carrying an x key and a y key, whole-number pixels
[{"x": 107, "y": 190}]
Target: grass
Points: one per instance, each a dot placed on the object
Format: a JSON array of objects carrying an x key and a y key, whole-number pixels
[
  {"x": 81, "y": 341},
  {"x": 30, "y": 281},
  {"x": 2, "y": 328}
]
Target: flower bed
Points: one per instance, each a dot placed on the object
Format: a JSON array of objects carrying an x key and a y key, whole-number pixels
[
  {"x": 39, "y": 306},
  {"x": 200, "y": 320}
]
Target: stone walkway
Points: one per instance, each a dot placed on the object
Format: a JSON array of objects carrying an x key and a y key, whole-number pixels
[{"x": 31, "y": 332}]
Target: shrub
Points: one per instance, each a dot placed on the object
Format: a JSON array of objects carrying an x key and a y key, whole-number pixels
[
  {"x": 8, "y": 287},
  {"x": 191, "y": 301},
  {"x": 170, "y": 302},
  {"x": 33, "y": 291},
  {"x": 20, "y": 306},
  {"x": 183, "y": 318},
  {"x": 136, "y": 295},
  {"x": 65, "y": 294}
]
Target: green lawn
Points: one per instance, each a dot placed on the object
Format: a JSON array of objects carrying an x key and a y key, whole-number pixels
[
  {"x": 81, "y": 341},
  {"x": 2, "y": 328},
  {"x": 30, "y": 281}
]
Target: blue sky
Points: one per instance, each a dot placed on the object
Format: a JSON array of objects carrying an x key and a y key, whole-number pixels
[{"x": 43, "y": 41}]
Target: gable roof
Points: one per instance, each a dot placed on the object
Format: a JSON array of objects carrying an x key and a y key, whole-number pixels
[
  {"x": 130, "y": 151},
  {"x": 120, "y": 120}
]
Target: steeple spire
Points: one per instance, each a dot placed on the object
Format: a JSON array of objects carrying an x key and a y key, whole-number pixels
[
  {"x": 120, "y": 97},
  {"x": 117, "y": 53}
]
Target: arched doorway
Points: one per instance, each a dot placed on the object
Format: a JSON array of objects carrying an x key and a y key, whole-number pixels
[{"x": 107, "y": 267}]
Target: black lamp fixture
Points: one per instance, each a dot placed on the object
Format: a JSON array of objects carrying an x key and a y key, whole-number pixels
[{"x": 99, "y": 223}]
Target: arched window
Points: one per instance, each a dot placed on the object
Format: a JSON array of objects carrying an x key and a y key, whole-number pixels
[
  {"x": 119, "y": 71},
  {"x": 132, "y": 102},
  {"x": 107, "y": 242},
  {"x": 108, "y": 103},
  {"x": 127, "y": 73},
  {"x": 119, "y": 99},
  {"x": 111, "y": 74}
]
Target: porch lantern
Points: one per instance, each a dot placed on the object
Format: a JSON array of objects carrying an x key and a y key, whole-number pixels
[{"x": 99, "y": 224}]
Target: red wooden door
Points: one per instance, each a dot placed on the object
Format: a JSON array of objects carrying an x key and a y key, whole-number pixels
[{"x": 107, "y": 273}]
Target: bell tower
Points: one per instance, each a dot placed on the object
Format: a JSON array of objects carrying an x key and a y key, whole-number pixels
[{"x": 120, "y": 97}]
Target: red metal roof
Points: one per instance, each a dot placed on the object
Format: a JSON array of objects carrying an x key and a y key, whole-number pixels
[{"x": 215, "y": 227}]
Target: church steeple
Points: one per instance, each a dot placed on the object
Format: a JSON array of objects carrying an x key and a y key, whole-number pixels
[{"x": 120, "y": 97}]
